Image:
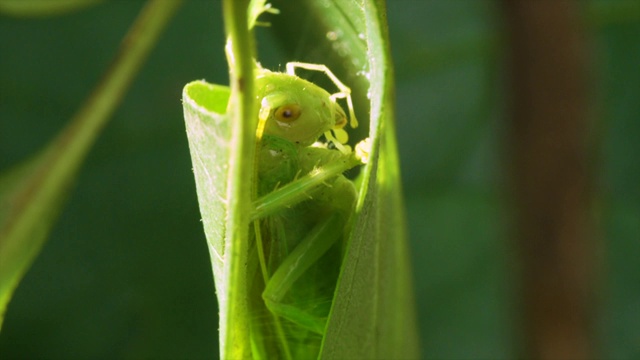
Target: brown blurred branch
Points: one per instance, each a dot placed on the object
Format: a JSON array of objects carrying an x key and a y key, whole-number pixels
[{"x": 547, "y": 143}]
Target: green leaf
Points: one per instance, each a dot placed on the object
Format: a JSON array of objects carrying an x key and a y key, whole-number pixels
[
  {"x": 373, "y": 313},
  {"x": 35, "y": 8},
  {"x": 32, "y": 194},
  {"x": 209, "y": 131}
]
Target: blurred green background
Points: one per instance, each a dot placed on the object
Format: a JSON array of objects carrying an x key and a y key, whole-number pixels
[{"x": 126, "y": 274}]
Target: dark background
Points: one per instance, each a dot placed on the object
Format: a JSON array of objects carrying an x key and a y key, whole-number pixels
[{"x": 126, "y": 273}]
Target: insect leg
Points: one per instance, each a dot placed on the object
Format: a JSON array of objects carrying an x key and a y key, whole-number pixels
[
  {"x": 305, "y": 186},
  {"x": 307, "y": 253},
  {"x": 345, "y": 91}
]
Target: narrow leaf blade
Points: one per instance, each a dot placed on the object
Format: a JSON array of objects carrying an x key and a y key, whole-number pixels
[
  {"x": 32, "y": 194},
  {"x": 37, "y": 8}
]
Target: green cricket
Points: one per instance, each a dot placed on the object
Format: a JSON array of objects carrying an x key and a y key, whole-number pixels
[
  {"x": 301, "y": 260},
  {"x": 300, "y": 228}
]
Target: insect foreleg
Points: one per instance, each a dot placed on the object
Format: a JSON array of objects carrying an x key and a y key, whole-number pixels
[
  {"x": 291, "y": 66},
  {"x": 297, "y": 191},
  {"x": 345, "y": 91}
]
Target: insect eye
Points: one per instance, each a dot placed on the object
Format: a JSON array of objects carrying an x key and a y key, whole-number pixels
[{"x": 287, "y": 113}]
